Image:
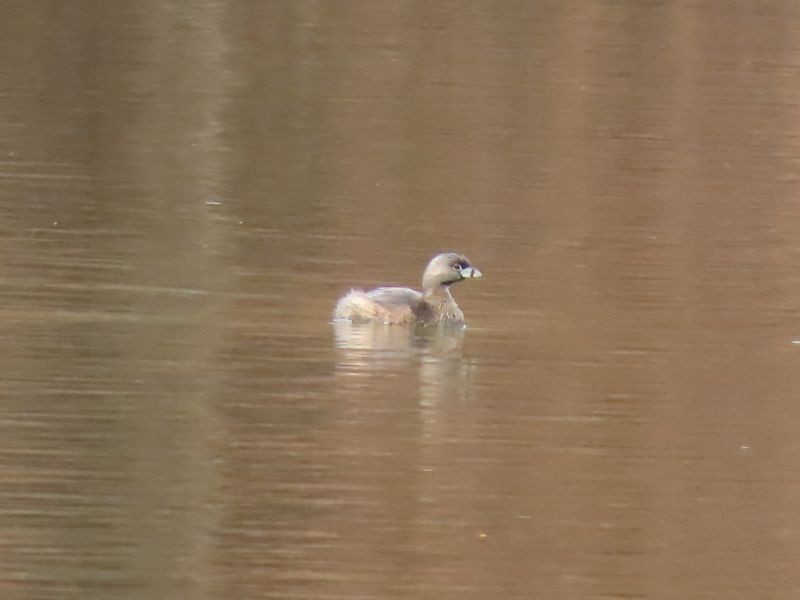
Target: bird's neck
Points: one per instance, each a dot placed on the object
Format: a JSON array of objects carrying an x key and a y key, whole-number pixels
[{"x": 438, "y": 294}]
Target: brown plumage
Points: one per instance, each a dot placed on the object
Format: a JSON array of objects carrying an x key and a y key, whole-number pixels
[{"x": 397, "y": 305}]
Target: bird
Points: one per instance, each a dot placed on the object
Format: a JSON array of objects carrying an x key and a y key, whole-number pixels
[{"x": 401, "y": 305}]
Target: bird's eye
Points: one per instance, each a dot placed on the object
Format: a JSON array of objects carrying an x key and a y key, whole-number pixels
[{"x": 457, "y": 266}]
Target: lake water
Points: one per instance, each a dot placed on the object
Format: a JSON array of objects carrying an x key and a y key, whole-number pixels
[{"x": 186, "y": 190}]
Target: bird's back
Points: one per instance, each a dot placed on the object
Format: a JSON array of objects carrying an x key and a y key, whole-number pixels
[{"x": 387, "y": 304}]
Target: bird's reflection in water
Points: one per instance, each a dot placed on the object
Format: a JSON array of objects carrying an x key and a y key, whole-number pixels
[
  {"x": 376, "y": 346},
  {"x": 387, "y": 361}
]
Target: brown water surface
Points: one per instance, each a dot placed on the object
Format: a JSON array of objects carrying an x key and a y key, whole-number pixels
[{"x": 185, "y": 190}]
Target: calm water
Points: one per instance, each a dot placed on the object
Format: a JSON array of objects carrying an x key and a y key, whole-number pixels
[{"x": 186, "y": 190}]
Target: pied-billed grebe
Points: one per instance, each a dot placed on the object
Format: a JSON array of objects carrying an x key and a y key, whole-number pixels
[{"x": 396, "y": 305}]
